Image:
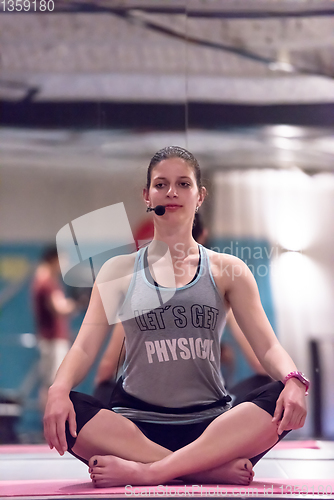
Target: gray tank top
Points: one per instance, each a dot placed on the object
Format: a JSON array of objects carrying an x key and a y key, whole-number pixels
[{"x": 173, "y": 344}]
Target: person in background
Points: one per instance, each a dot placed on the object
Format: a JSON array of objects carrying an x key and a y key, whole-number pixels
[{"x": 51, "y": 309}]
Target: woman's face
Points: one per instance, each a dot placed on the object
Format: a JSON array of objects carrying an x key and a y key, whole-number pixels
[{"x": 173, "y": 185}]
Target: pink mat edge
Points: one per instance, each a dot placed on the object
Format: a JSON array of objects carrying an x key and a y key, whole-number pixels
[
  {"x": 310, "y": 443},
  {"x": 265, "y": 486},
  {"x": 25, "y": 448},
  {"x": 44, "y": 448}
]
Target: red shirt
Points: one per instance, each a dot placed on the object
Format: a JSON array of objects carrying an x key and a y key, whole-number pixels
[{"x": 50, "y": 324}]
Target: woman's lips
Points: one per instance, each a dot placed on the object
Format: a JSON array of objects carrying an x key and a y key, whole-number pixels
[{"x": 172, "y": 207}]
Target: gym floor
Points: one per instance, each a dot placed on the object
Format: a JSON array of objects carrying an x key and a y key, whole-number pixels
[{"x": 292, "y": 468}]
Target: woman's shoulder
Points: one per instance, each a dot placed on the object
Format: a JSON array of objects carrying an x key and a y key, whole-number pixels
[
  {"x": 120, "y": 266},
  {"x": 219, "y": 258},
  {"x": 224, "y": 265}
]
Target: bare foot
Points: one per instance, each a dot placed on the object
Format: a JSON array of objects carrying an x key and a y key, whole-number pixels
[
  {"x": 238, "y": 471},
  {"x": 107, "y": 471}
]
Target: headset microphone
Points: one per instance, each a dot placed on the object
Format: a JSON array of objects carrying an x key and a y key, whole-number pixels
[{"x": 159, "y": 209}]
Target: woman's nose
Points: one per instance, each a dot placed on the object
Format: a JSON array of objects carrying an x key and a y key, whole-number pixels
[{"x": 172, "y": 191}]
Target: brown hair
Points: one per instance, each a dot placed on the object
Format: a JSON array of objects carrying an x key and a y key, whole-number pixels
[{"x": 174, "y": 152}]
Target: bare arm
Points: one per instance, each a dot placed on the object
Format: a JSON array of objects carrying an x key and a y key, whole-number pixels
[
  {"x": 113, "y": 356},
  {"x": 85, "y": 348},
  {"x": 108, "y": 292},
  {"x": 241, "y": 293},
  {"x": 239, "y": 288},
  {"x": 61, "y": 304},
  {"x": 244, "y": 345}
]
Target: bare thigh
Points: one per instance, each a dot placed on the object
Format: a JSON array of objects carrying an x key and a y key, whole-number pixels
[{"x": 109, "y": 433}]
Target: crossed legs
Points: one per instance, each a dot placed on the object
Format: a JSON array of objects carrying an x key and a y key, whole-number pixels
[{"x": 120, "y": 454}]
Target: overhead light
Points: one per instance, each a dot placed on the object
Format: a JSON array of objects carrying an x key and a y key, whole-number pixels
[
  {"x": 285, "y": 143},
  {"x": 286, "y": 131},
  {"x": 281, "y": 66},
  {"x": 282, "y": 62}
]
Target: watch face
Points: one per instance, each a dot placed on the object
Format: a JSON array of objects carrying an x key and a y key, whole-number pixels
[
  {"x": 304, "y": 381},
  {"x": 303, "y": 378}
]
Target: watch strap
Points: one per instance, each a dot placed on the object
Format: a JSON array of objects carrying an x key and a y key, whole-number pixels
[{"x": 300, "y": 376}]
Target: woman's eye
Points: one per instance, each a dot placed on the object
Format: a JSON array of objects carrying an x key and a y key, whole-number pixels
[{"x": 161, "y": 185}]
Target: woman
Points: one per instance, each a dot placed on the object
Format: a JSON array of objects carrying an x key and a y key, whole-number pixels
[{"x": 170, "y": 417}]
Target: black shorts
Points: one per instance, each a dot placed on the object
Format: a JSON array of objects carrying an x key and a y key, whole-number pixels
[{"x": 170, "y": 436}]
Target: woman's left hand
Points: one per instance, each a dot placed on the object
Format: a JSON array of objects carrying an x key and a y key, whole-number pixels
[{"x": 291, "y": 403}]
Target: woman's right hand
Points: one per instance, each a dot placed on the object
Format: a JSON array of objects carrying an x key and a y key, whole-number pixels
[{"x": 59, "y": 408}]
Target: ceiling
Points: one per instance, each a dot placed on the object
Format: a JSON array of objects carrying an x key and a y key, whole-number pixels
[
  {"x": 208, "y": 57},
  {"x": 231, "y": 51}
]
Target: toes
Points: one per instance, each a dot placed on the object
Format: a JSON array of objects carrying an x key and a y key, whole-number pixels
[
  {"x": 96, "y": 462},
  {"x": 248, "y": 465},
  {"x": 93, "y": 462},
  {"x": 102, "y": 483},
  {"x": 247, "y": 469},
  {"x": 97, "y": 480}
]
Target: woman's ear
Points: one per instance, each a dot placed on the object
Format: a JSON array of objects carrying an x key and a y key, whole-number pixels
[
  {"x": 146, "y": 197},
  {"x": 202, "y": 195}
]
